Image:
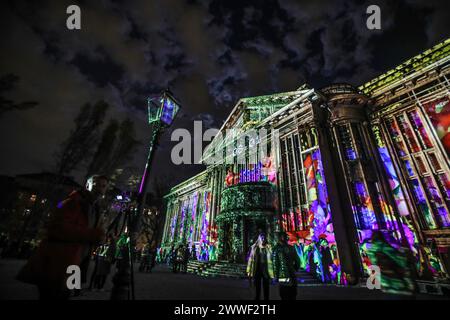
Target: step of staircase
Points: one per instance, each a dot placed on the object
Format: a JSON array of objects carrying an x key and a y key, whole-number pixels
[
  {"x": 233, "y": 270},
  {"x": 216, "y": 269}
]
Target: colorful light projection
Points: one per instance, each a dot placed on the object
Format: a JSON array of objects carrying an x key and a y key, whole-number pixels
[
  {"x": 389, "y": 221},
  {"x": 322, "y": 233},
  {"x": 251, "y": 175},
  {"x": 191, "y": 225},
  {"x": 397, "y": 192},
  {"x": 205, "y": 214},
  {"x": 418, "y": 193},
  {"x": 439, "y": 113},
  {"x": 433, "y": 264},
  {"x": 193, "y": 217},
  {"x": 364, "y": 207},
  {"x": 288, "y": 220},
  {"x": 427, "y": 179},
  {"x": 183, "y": 218},
  {"x": 316, "y": 245},
  {"x": 208, "y": 243},
  {"x": 436, "y": 201},
  {"x": 173, "y": 225},
  {"x": 364, "y": 213},
  {"x": 395, "y": 269},
  {"x": 262, "y": 171}
]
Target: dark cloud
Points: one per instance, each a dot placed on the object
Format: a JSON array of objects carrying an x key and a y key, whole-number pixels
[{"x": 102, "y": 70}]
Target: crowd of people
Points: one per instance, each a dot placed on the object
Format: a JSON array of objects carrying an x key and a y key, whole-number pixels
[{"x": 177, "y": 257}]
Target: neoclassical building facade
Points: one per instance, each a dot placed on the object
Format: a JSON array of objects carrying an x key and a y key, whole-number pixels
[{"x": 337, "y": 165}]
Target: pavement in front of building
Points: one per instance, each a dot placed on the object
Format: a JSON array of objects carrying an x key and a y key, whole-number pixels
[{"x": 162, "y": 284}]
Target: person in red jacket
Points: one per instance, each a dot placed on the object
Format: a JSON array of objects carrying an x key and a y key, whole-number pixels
[{"x": 72, "y": 231}]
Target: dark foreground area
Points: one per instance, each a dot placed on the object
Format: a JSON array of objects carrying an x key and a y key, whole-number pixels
[{"x": 162, "y": 284}]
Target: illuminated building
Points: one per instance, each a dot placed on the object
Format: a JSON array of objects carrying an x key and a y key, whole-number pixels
[{"x": 341, "y": 163}]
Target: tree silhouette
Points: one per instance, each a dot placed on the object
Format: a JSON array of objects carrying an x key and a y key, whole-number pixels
[
  {"x": 116, "y": 148},
  {"x": 79, "y": 146},
  {"x": 105, "y": 149},
  {"x": 151, "y": 224}
]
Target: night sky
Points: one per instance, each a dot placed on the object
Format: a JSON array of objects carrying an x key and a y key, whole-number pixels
[{"x": 210, "y": 53}]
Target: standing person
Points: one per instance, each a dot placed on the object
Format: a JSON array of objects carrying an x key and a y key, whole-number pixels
[
  {"x": 180, "y": 258},
  {"x": 259, "y": 266},
  {"x": 204, "y": 252},
  {"x": 96, "y": 217},
  {"x": 311, "y": 261},
  {"x": 327, "y": 260},
  {"x": 121, "y": 248},
  {"x": 187, "y": 255},
  {"x": 193, "y": 253},
  {"x": 152, "y": 256},
  {"x": 285, "y": 264},
  {"x": 70, "y": 235},
  {"x": 103, "y": 266},
  {"x": 144, "y": 258},
  {"x": 171, "y": 257},
  {"x": 174, "y": 259}
]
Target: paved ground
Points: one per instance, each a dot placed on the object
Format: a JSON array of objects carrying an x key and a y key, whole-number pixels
[{"x": 164, "y": 285}]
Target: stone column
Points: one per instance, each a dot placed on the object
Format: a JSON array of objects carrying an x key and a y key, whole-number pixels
[{"x": 340, "y": 204}]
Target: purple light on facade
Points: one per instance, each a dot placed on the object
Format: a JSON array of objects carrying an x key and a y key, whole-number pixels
[
  {"x": 367, "y": 214},
  {"x": 351, "y": 155},
  {"x": 204, "y": 232},
  {"x": 172, "y": 226},
  {"x": 183, "y": 215},
  {"x": 251, "y": 175},
  {"x": 193, "y": 213}
]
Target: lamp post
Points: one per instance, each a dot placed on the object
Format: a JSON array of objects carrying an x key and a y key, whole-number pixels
[{"x": 162, "y": 110}]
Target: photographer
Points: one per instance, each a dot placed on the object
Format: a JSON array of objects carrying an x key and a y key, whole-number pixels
[{"x": 72, "y": 232}]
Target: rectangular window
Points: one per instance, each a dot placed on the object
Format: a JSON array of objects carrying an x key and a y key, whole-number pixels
[
  {"x": 298, "y": 192},
  {"x": 439, "y": 112},
  {"x": 421, "y": 133},
  {"x": 444, "y": 183},
  {"x": 435, "y": 163},
  {"x": 421, "y": 167},
  {"x": 408, "y": 133},
  {"x": 396, "y": 137},
  {"x": 424, "y": 169},
  {"x": 436, "y": 201},
  {"x": 421, "y": 201}
]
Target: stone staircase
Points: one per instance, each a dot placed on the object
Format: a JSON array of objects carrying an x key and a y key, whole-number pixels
[
  {"x": 197, "y": 267},
  {"x": 217, "y": 269},
  {"x": 235, "y": 270}
]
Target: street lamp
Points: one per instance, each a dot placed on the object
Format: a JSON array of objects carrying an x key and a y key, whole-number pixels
[{"x": 162, "y": 110}]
